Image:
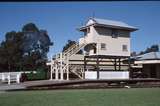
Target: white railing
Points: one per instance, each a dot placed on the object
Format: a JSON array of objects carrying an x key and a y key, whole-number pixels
[
  {"x": 10, "y": 77},
  {"x": 61, "y": 62}
]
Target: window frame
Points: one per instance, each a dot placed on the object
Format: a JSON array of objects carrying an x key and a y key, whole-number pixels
[
  {"x": 88, "y": 30},
  {"x": 114, "y": 33},
  {"x": 103, "y": 46},
  {"x": 125, "y": 48}
]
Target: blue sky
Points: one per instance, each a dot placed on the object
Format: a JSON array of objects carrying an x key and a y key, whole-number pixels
[{"x": 61, "y": 19}]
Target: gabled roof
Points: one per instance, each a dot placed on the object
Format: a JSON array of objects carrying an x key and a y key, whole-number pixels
[{"x": 108, "y": 23}]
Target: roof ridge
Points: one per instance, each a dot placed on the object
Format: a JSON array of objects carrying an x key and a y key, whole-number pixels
[
  {"x": 111, "y": 20},
  {"x": 110, "y": 23}
]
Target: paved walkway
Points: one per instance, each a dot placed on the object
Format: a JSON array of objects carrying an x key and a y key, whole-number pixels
[
  {"x": 23, "y": 86},
  {"x": 5, "y": 87},
  {"x": 45, "y": 82}
]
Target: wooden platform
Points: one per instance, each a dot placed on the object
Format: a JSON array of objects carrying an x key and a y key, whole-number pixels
[
  {"x": 89, "y": 84},
  {"x": 81, "y": 84}
]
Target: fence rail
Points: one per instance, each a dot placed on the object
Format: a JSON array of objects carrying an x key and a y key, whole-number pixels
[{"x": 10, "y": 77}]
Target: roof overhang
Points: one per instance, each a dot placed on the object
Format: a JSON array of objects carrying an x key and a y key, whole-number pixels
[
  {"x": 147, "y": 62},
  {"x": 83, "y": 28},
  {"x": 116, "y": 27},
  {"x": 139, "y": 66}
]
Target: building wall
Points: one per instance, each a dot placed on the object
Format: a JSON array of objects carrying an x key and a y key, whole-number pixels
[
  {"x": 90, "y": 37},
  {"x": 113, "y": 45},
  {"x": 158, "y": 70},
  {"x": 148, "y": 70}
]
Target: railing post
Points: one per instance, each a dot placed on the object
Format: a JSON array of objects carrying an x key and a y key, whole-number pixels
[
  {"x": 18, "y": 78},
  {"x": 3, "y": 77},
  {"x": 61, "y": 69},
  {"x": 9, "y": 79},
  {"x": 67, "y": 67}
]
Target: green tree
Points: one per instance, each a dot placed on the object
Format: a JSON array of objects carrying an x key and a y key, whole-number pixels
[
  {"x": 133, "y": 53},
  {"x": 11, "y": 50},
  {"x": 36, "y": 47},
  {"x": 153, "y": 48},
  {"x": 30, "y": 27},
  {"x": 26, "y": 50}
]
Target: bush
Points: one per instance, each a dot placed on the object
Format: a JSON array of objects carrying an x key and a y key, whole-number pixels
[
  {"x": 23, "y": 77},
  {"x": 39, "y": 75}
]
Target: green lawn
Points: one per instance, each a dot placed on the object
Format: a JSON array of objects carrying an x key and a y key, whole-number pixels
[{"x": 99, "y": 97}]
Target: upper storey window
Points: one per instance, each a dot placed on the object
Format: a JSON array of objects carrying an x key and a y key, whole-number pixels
[
  {"x": 103, "y": 46},
  {"x": 124, "y": 48},
  {"x": 88, "y": 30},
  {"x": 114, "y": 33}
]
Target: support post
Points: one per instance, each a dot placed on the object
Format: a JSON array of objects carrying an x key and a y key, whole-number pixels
[
  {"x": 119, "y": 60},
  {"x": 97, "y": 67},
  {"x": 85, "y": 63},
  {"x": 129, "y": 67},
  {"x": 56, "y": 71},
  {"x": 115, "y": 65},
  {"x": 82, "y": 73},
  {"x": 67, "y": 68},
  {"x": 61, "y": 68},
  {"x": 51, "y": 77}
]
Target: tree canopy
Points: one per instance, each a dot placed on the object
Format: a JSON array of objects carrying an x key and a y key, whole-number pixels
[
  {"x": 153, "y": 48},
  {"x": 26, "y": 50},
  {"x": 30, "y": 27}
]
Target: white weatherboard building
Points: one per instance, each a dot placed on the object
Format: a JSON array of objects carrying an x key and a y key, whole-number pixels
[
  {"x": 110, "y": 37},
  {"x": 105, "y": 44}
]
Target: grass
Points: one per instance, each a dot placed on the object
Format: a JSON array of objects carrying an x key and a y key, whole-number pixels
[{"x": 99, "y": 97}]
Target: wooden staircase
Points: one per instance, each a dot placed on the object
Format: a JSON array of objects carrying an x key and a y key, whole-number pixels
[{"x": 61, "y": 62}]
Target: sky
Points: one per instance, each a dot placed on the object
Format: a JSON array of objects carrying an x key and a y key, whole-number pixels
[{"x": 61, "y": 19}]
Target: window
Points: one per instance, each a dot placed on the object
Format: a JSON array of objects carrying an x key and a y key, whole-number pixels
[
  {"x": 103, "y": 46},
  {"x": 114, "y": 33},
  {"x": 124, "y": 48},
  {"x": 88, "y": 30}
]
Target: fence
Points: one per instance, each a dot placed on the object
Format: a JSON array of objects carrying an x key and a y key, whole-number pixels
[{"x": 10, "y": 77}]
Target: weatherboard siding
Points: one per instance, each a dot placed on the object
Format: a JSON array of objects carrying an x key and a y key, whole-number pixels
[{"x": 113, "y": 45}]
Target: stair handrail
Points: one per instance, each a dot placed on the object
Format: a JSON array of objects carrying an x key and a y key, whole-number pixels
[{"x": 70, "y": 47}]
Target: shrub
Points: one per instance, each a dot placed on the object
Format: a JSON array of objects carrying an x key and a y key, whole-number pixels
[{"x": 39, "y": 75}]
